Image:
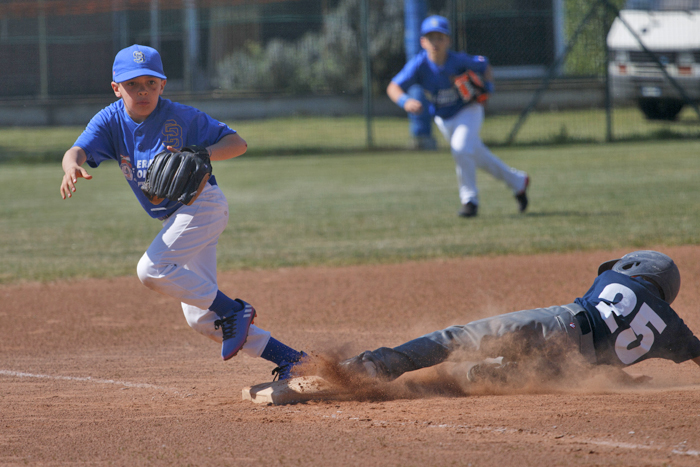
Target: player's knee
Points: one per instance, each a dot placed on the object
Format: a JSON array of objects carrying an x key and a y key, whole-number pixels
[
  {"x": 144, "y": 270},
  {"x": 150, "y": 274}
]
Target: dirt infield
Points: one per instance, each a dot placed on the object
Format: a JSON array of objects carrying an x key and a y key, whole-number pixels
[{"x": 106, "y": 372}]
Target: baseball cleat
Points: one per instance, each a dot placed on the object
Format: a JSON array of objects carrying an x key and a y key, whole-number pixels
[
  {"x": 521, "y": 197},
  {"x": 468, "y": 210},
  {"x": 285, "y": 369},
  {"x": 366, "y": 366},
  {"x": 494, "y": 373},
  {"x": 235, "y": 329}
]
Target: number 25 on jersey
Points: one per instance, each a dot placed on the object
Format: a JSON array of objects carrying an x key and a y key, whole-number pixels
[{"x": 635, "y": 341}]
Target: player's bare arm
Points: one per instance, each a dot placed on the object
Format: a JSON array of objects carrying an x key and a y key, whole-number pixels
[
  {"x": 228, "y": 147},
  {"x": 72, "y": 163},
  {"x": 397, "y": 95}
]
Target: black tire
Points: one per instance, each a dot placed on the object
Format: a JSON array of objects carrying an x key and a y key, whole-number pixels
[{"x": 661, "y": 109}]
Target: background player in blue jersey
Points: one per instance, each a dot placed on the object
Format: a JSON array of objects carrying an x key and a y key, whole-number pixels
[
  {"x": 181, "y": 260},
  {"x": 624, "y": 318},
  {"x": 434, "y": 70}
]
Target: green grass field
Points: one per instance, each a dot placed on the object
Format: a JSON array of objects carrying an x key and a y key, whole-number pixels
[{"x": 361, "y": 207}]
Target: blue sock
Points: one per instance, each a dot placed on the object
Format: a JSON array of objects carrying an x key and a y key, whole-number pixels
[
  {"x": 277, "y": 352},
  {"x": 223, "y": 305}
]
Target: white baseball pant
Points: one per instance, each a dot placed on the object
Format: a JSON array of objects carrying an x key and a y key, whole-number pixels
[
  {"x": 181, "y": 263},
  {"x": 462, "y": 131}
]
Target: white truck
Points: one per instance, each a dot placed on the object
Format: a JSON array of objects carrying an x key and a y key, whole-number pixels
[{"x": 670, "y": 29}]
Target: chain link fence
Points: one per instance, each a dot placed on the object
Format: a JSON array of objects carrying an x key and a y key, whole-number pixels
[{"x": 566, "y": 70}]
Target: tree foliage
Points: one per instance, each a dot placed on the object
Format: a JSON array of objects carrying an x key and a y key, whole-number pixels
[{"x": 587, "y": 57}]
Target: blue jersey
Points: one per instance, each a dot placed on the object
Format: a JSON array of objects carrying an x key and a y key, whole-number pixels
[
  {"x": 112, "y": 134},
  {"x": 631, "y": 324},
  {"x": 437, "y": 81}
]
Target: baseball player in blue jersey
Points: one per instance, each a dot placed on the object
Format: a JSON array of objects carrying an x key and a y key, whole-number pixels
[
  {"x": 435, "y": 70},
  {"x": 624, "y": 318},
  {"x": 181, "y": 260}
]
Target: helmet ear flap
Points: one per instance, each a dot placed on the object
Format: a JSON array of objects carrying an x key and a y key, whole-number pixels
[
  {"x": 607, "y": 266},
  {"x": 660, "y": 289}
]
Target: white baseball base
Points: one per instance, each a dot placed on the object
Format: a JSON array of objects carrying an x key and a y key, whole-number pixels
[{"x": 301, "y": 389}]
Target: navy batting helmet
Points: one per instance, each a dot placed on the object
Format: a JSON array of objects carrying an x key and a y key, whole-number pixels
[{"x": 652, "y": 266}]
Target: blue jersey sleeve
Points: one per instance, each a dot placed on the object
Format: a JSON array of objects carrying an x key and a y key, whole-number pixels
[
  {"x": 205, "y": 130},
  {"x": 96, "y": 140},
  {"x": 477, "y": 63},
  {"x": 408, "y": 76}
]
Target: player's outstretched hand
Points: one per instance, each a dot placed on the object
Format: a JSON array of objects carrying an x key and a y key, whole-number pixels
[
  {"x": 70, "y": 178},
  {"x": 413, "y": 106}
]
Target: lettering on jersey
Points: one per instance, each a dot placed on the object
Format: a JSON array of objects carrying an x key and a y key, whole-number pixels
[
  {"x": 141, "y": 169},
  {"x": 127, "y": 168},
  {"x": 172, "y": 134},
  {"x": 139, "y": 57},
  {"x": 444, "y": 97},
  {"x": 447, "y": 97}
]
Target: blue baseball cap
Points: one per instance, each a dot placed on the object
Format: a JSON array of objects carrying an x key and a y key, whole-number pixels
[
  {"x": 435, "y": 23},
  {"x": 137, "y": 60}
]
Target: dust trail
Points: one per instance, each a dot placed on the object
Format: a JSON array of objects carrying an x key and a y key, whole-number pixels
[
  {"x": 361, "y": 388},
  {"x": 570, "y": 375}
]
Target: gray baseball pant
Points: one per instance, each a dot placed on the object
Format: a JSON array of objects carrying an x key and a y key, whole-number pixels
[{"x": 511, "y": 336}]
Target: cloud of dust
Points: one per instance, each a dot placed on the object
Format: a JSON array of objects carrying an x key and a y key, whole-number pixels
[{"x": 553, "y": 368}]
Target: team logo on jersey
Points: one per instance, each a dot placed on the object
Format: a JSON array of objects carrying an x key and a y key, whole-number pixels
[
  {"x": 139, "y": 57},
  {"x": 127, "y": 168},
  {"x": 172, "y": 134},
  {"x": 573, "y": 325}
]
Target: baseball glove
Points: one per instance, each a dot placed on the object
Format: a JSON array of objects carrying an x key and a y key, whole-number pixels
[
  {"x": 471, "y": 88},
  {"x": 177, "y": 176}
]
